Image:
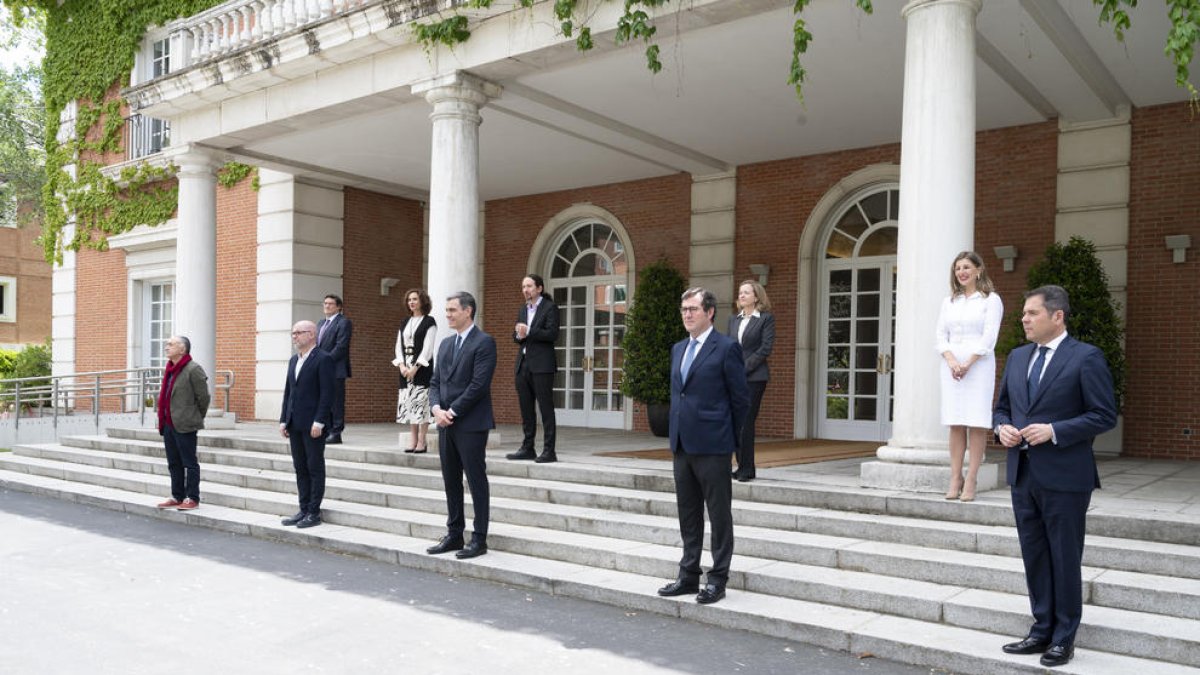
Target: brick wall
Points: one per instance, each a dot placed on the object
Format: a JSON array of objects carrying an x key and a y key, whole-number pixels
[
  {"x": 382, "y": 238},
  {"x": 1162, "y": 335},
  {"x": 656, "y": 212},
  {"x": 101, "y": 314},
  {"x": 237, "y": 288},
  {"x": 21, "y": 258}
]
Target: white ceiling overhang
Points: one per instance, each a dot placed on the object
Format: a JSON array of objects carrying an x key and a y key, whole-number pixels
[{"x": 567, "y": 119}]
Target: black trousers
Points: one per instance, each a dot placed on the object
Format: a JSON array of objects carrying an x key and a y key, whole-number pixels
[
  {"x": 182, "y": 463},
  {"x": 308, "y": 459},
  {"x": 1050, "y": 527},
  {"x": 338, "y": 408},
  {"x": 703, "y": 481},
  {"x": 463, "y": 452},
  {"x": 745, "y": 454},
  {"x": 536, "y": 388}
]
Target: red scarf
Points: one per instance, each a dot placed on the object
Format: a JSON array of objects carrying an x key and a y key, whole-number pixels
[{"x": 168, "y": 384}]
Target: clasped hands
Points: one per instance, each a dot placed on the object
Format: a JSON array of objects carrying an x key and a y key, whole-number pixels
[
  {"x": 1033, "y": 434},
  {"x": 443, "y": 418},
  {"x": 958, "y": 370}
]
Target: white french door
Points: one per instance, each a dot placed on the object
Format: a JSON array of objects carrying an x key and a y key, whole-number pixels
[
  {"x": 589, "y": 354},
  {"x": 856, "y": 349}
]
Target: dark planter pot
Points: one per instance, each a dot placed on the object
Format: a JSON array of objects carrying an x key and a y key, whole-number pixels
[{"x": 659, "y": 416}]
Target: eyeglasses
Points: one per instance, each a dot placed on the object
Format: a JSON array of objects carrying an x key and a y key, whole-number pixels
[{"x": 690, "y": 309}]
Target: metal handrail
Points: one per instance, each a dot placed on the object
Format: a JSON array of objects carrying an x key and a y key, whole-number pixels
[{"x": 86, "y": 393}]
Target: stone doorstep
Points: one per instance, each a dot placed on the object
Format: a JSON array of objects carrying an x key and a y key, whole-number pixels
[
  {"x": 858, "y": 589},
  {"x": 1132, "y": 555},
  {"x": 1164, "y": 527},
  {"x": 892, "y": 637}
]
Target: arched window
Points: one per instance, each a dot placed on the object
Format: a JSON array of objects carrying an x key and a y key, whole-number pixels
[{"x": 588, "y": 280}]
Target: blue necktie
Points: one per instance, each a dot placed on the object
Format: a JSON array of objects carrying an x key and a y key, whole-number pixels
[
  {"x": 457, "y": 346},
  {"x": 687, "y": 359},
  {"x": 1035, "y": 375}
]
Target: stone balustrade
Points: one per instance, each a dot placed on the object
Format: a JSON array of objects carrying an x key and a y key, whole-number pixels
[{"x": 241, "y": 23}]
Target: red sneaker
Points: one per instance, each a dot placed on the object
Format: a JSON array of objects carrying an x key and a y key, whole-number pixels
[
  {"x": 169, "y": 504},
  {"x": 188, "y": 505}
]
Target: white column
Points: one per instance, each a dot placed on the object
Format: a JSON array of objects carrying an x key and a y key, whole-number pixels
[
  {"x": 196, "y": 258},
  {"x": 937, "y": 220},
  {"x": 454, "y": 203}
]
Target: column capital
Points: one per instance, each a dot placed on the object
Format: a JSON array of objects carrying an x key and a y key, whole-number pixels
[
  {"x": 193, "y": 161},
  {"x": 914, "y": 5},
  {"x": 459, "y": 89}
]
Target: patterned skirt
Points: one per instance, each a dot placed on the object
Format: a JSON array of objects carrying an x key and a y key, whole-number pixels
[{"x": 413, "y": 406}]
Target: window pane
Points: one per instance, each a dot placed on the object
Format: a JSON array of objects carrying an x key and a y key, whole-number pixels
[
  {"x": 839, "y": 281},
  {"x": 839, "y": 307},
  {"x": 836, "y": 407},
  {"x": 839, "y": 332},
  {"x": 838, "y": 357},
  {"x": 867, "y": 331},
  {"x": 880, "y": 242},
  {"x": 840, "y": 246},
  {"x": 868, "y": 280},
  {"x": 866, "y": 357},
  {"x": 865, "y": 382},
  {"x": 837, "y": 383},
  {"x": 864, "y": 408},
  {"x": 568, "y": 249},
  {"x": 853, "y": 223},
  {"x": 868, "y": 305},
  {"x": 875, "y": 207}
]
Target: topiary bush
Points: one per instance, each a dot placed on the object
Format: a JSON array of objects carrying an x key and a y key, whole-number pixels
[
  {"x": 652, "y": 327},
  {"x": 1093, "y": 317}
]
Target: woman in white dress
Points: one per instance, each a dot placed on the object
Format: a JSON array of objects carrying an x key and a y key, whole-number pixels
[
  {"x": 414, "y": 357},
  {"x": 967, "y": 327}
]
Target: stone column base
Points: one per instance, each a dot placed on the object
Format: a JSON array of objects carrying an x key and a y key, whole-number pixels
[{"x": 913, "y": 471}]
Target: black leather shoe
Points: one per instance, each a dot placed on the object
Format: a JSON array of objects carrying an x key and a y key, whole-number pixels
[
  {"x": 333, "y": 439},
  {"x": 1030, "y": 645},
  {"x": 309, "y": 520},
  {"x": 473, "y": 550},
  {"x": 745, "y": 479},
  {"x": 448, "y": 543},
  {"x": 679, "y": 587},
  {"x": 710, "y": 594},
  {"x": 523, "y": 453},
  {"x": 294, "y": 519},
  {"x": 546, "y": 458},
  {"x": 1058, "y": 655}
]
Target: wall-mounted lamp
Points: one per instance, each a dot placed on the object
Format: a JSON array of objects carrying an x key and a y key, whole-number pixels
[
  {"x": 1008, "y": 254},
  {"x": 385, "y": 285},
  {"x": 761, "y": 271},
  {"x": 1178, "y": 244}
]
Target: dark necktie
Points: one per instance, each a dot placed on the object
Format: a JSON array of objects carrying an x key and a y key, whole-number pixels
[
  {"x": 1035, "y": 375},
  {"x": 457, "y": 347}
]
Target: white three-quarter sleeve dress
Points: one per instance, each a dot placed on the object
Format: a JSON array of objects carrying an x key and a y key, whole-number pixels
[{"x": 966, "y": 326}]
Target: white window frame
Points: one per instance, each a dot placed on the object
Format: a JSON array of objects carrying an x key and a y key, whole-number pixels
[{"x": 8, "y": 289}]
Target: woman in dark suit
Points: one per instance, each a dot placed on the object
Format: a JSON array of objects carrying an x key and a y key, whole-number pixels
[
  {"x": 414, "y": 357},
  {"x": 753, "y": 326}
]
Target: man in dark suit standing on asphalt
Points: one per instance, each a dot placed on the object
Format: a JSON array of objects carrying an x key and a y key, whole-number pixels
[
  {"x": 460, "y": 398},
  {"x": 535, "y": 333},
  {"x": 307, "y": 396},
  {"x": 1056, "y": 396},
  {"x": 333, "y": 337},
  {"x": 709, "y": 403}
]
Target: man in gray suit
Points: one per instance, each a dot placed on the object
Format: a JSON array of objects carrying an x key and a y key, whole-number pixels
[{"x": 460, "y": 397}]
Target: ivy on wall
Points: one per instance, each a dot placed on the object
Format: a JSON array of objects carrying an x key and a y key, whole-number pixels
[{"x": 90, "y": 45}]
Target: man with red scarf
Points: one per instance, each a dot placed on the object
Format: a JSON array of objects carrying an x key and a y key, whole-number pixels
[{"x": 182, "y": 404}]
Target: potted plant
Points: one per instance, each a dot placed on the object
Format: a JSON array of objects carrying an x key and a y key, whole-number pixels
[
  {"x": 1093, "y": 317},
  {"x": 652, "y": 327}
]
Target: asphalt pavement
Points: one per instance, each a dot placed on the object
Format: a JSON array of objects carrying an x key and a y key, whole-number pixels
[{"x": 87, "y": 590}]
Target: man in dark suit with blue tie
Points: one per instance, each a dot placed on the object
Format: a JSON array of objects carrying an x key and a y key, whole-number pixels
[
  {"x": 1056, "y": 396},
  {"x": 460, "y": 398},
  {"x": 709, "y": 403},
  {"x": 333, "y": 337},
  {"x": 305, "y": 418}
]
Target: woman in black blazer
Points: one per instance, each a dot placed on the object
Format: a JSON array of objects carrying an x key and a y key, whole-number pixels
[
  {"x": 753, "y": 326},
  {"x": 414, "y": 357}
]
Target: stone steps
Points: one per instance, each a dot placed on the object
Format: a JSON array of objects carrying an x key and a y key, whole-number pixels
[
  {"x": 792, "y": 556},
  {"x": 950, "y": 647},
  {"x": 1106, "y": 552}
]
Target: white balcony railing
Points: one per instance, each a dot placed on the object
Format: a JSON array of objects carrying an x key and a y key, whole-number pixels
[{"x": 241, "y": 23}]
